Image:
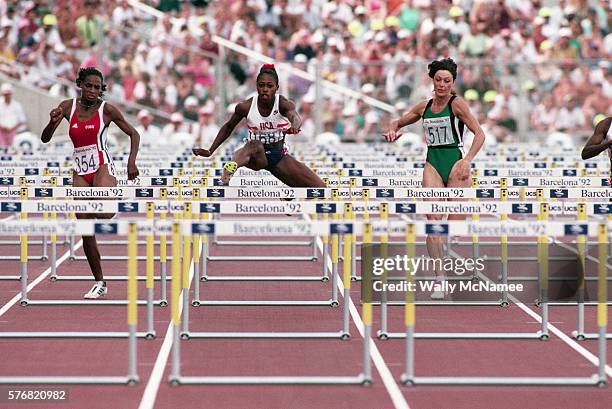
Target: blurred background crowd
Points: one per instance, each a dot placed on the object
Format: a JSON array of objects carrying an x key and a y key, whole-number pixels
[{"x": 527, "y": 68}]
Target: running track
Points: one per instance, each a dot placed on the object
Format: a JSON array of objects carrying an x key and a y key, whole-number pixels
[{"x": 556, "y": 357}]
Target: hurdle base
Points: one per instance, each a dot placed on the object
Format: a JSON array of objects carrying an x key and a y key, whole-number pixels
[
  {"x": 461, "y": 335},
  {"x": 500, "y": 380},
  {"x": 261, "y": 278},
  {"x": 116, "y": 258},
  {"x": 270, "y": 380},
  {"x": 266, "y": 335},
  {"x": 145, "y": 335},
  {"x": 261, "y": 258},
  {"x": 82, "y": 302},
  {"x": 25, "y": 380},
  {"x": 583, "y": 336},
  {"x": 263, "y": 303},
  {"x": 258, "y": 243},
  {"x": 106, "y": 278}
]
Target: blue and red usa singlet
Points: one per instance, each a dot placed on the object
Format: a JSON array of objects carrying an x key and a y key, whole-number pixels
[{"x": 89, "y": 140}]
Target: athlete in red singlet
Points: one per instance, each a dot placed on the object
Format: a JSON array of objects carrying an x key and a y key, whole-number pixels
[{"x": 89, "y": 118}]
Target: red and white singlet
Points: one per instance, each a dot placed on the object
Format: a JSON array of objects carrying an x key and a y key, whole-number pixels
[
  {"x": 89, "y": 140},
  {"x": 267, "y": 129}
]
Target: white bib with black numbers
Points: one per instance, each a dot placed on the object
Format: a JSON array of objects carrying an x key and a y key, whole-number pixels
[
  {"x": 438, "y": 131},
  {"x": 267, "y": 129},
  {"x": 86, "y": 159}
]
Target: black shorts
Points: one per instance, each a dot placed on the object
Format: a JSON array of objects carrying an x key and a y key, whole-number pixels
[{"x": 274, "y": 155}]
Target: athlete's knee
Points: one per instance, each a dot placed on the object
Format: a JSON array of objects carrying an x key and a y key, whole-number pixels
[{"x": 435, "y": 217}]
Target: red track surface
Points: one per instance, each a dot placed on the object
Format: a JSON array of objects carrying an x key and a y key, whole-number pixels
[{"x": 283, "y": 357}]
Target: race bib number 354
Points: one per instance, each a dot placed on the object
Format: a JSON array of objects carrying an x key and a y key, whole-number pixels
[
  {"x": 86, "y": 159},
  {"x": 438, "y": 131}
]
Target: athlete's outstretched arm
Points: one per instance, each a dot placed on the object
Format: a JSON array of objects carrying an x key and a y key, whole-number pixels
[
  {"x": 241, "y": 111},
  {"x": 55, "y": 117},
  {"x": 462, "y": 111},
  {"x": 117, "y": 117},
  {"x": 410, "y": 117},
  {"x": 598, "y": 142},
  {"x": 287, "y": 109}
]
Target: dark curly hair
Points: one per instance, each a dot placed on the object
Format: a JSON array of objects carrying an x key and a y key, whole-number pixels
[
  {"x": 86, "y": 72},
  {"x": 446, "y": 64},
  {"x": 268, "y": 69}
]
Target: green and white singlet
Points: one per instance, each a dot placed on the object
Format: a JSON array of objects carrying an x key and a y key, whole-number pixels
[{"x": 444, "y": 137}]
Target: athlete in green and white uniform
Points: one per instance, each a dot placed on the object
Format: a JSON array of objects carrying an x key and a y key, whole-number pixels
[
  {"x": 443, "y": 118},
  {"x": 444, "y": 136}
]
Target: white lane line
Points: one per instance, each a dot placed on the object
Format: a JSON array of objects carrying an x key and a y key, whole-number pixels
[
  {"x": 38, "y": 279},
  {"x": 150, "y": 393},
  {"x": 572, "y": 344},
  {"x": 399, "y": 402}
]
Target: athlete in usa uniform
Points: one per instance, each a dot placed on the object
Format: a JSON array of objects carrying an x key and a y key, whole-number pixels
[
  {"x": 269, "y": 118},
  {"x": 89, "y": 118}
]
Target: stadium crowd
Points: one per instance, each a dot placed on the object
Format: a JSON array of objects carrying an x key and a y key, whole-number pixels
[{"x": 543, "y": 66}]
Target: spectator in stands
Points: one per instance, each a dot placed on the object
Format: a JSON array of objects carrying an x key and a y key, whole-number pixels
[
  {"x": 563, "y": 49},
  {"x": 570, "y": 117},
  {"x": 190, "y": 111},
  {"x": 177, "y": 125},
  {"x": 596, "y": 102},
  {"x": 544, "y": 115},
  {"x": 89, "y": 26},
  {"x": 13, "y": 118},
  {"x": 205, "y": 130},
  {"x": 303, "y": 45},
  {"x": 476, "y": 43},
  {"x": 149, "y": 133}
]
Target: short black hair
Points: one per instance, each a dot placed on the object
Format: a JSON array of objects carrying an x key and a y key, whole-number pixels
[
  {"x": 445, "y": 64},
  {"x": 86, "y": 72},
  {"x": 268, "y": 69}
]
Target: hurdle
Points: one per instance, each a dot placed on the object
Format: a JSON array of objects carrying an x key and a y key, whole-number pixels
[
  {"x": 410, "y": 245},
  {"x": 336, "y": 231},
  {"x": 291, "y": 228},
  {"x": 132, "y": 321},
  {"x": 598, "y": 379},
  {"x": 176, "y": 378},
  {"x": 83, "y": 227}
]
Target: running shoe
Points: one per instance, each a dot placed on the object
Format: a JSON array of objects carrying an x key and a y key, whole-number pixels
[
  {"x": 439, "y": 294},
  {"x": 98, "y": 290},
  {"x": 228, "y": 171}
]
